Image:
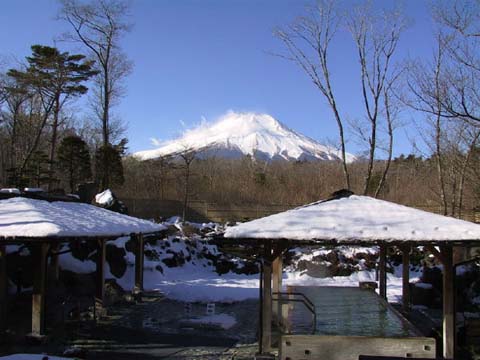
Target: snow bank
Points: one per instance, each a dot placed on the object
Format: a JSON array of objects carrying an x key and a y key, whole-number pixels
[
  {"x": 22, "y": 217},
  {"x": 356, "y": 218},
  {"x": 193, "y": 282},
  {"x": 33, "y": 190},
  {"x": 10, "y": 191},
  {"x": 69, "y": 262}
]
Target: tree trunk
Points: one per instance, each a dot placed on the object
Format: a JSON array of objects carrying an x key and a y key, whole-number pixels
[
  {"x": 439, "y": 163},
  {"x": 342, "y": 142},
  {"x": 56, "y": 112},
  {"x": 390, "y": 146},
  {"x": 471, "y": 148},
  {"x": 105, "y": 124},
  {"x": 371, "y": 157},
  {"x": 36, "y": 142},
  {"x": 185, "y": 198}
]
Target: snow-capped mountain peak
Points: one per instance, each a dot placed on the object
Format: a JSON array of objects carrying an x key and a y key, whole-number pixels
[{"x": 238, "y": 134}]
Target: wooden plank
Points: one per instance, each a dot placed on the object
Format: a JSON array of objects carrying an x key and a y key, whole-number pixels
[
  {"x": 406, "y": 277},
  {"x": 266, "y": 344},
  {"x": 39, "y": 288},
  {"x": 3, "y": 288},
  {"x": 351, "y": 347},
  {"x": 382, "y": 276},
  {"x": 277, "y": 268},
  {"x": 139, "y": 262},
  {"x": 100, "y": 275},
  {"x": 448, "y": 303}
]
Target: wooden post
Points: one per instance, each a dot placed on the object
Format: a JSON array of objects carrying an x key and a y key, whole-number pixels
[
  {"x": 277, "y": 266},
  {"x": 54, "y": 262},
  {"x": 260, "y": 311},
  {"x": 139, "y": 261},
  {"x": 382, "y": 276},
  {"x": 406, "y": 277},
  {"x": 100, "y": 276},
  {"x": 448, "y": 303},
  {"x": 267, "y": 300},
  {"x": 3, "y": 288},
  {"x": 39, "y": 288}
]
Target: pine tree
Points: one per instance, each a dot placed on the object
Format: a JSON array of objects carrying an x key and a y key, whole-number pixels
[
  {"x": 74, "y": 161},
  {"x": 38, "y": 171},
  {"x": 57, "y": 77},
  {"x": 108, "y": 164}
]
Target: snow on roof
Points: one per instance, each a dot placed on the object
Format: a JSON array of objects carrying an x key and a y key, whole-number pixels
[
  {"x": 356, "y": 219},
  {"x": 105, "y": 198},
  {"x": 23, "y": 217},
  {"x": 10, "y": 191}
]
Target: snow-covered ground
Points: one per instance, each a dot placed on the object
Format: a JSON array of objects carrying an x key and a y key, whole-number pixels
[
  {"x": 196, "y": 279},
  {"x": 192, "y": 284}
]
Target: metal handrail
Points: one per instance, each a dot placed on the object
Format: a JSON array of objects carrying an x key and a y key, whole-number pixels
[
  {"x": 305, "y": 301},
  {"x": 297, "y": 294}
]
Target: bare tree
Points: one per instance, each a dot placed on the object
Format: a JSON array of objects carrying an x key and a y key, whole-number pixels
[
  {"x": 460, "y": 21},
  {"x": 427, "y": 87},
  {"x": 376, "y": 37},
  {"x": 307, "y": 43},
  {"x": 188, "y": 156},
  {"x": 391, "y": 112},
  {"x": 471, "y": 138},
  {"x": 99, "y": 25},
  {"x": 14, "y": 95}
]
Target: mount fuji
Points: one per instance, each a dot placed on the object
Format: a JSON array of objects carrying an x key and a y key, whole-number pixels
[{"x": 236, "y": 134}]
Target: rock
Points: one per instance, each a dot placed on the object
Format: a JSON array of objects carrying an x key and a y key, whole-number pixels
[
  {"x": 116, "y": 259},
  {"x": 114, "y": 293},
  {"x": 433, "y": 276},
  {"x": 421, "y": 294},
  {"x": 332, "y": 257},
  {"x": 189, "y": 230}
]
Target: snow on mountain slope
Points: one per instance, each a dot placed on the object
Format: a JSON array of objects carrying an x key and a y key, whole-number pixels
[{"x": 239, "y": 134}]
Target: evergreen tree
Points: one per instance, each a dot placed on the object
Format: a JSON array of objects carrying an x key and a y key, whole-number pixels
[
  {"x": 37, "y": 172},
  {"x": 56, "y": 76},
  {"x": 108, "y": 164},
  {"x": 73, "y": 161}
]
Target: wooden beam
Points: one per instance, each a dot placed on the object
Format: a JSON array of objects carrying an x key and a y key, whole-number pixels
[
  {"x": 39, "y": 288},
  {"x": 382, "y": 276},
  {"x": 100, "y": 276},
  {"x": 448, "y": 303},
  {"x": 266, "y": 305},
  {"x": 139, "y": 262},
  {"x": 277, "y": 268},
  {"x": 406, "y": 277},
  {"x": 3, "y": 288}
]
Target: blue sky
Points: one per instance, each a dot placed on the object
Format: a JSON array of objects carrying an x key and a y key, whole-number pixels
[{"x": 200, "y": 58}]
